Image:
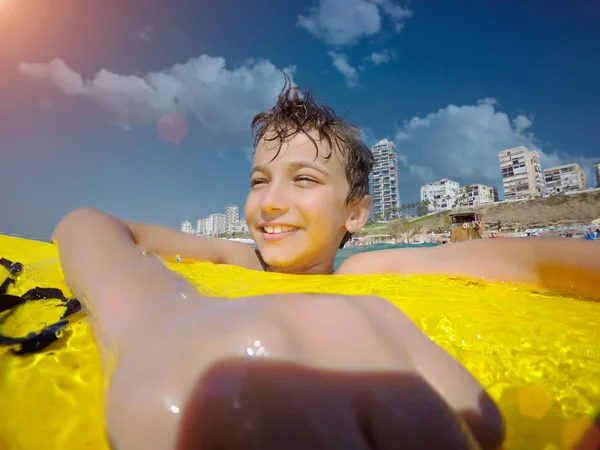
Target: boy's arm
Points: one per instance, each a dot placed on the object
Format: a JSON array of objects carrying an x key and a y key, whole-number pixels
[
  {"x": 566, "y": 265},
  {"x": 101, "y": 258},
  {"x": 89, "y": 232},
  {"x": 168, "y": 243}
]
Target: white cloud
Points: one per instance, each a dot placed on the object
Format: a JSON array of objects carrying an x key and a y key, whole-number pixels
[
  {"x": 462, "y": 143},
  {"x": 521, "y": 123},
  {"x": 342, "y": 23},
  {"x": 379, "y": 58},
  {"x": 397, "y": 13},
  {"x": 345, "y": 22},
  {"x": 219, "y": 102},
  {"x": 350, "y": 73}
]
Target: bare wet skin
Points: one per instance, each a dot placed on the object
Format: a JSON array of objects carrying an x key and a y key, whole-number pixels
[{"x": 287, "y": 371}]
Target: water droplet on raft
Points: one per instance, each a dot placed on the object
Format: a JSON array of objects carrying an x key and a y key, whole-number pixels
[{"x": 172, "y": 128}]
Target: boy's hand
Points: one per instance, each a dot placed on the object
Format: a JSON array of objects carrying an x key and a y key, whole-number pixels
[{"x": 291, "y": 371}]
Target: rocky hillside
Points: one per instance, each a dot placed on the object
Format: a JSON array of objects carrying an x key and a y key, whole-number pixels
[{"x": 560, "y": 210}]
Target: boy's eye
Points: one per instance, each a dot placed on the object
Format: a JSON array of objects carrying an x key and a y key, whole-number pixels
[
  {"x": 256, "y": 181},
  {"x": 307, "y": 180}
]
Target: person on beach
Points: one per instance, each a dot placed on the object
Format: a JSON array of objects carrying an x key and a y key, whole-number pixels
[{"x": 289, "y": 371}]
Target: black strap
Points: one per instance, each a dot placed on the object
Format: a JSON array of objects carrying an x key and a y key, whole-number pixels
[
  {"x": 34, "y": 342},
  {"x": 13, "y": 269}
]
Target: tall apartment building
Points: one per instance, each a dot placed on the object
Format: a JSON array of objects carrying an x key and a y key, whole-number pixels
[
  {"x": 217, "y": 223},
  {"x": 477, "y": 194},
  {"x": 232, "y": 213},
  {"x": 440, "y": 195},
  {"x": 186, "y": 226},
  {"x": 521, "y": 173},
  {"x": 212, "y": 225},
  {"x": 597, "y": 173},
  {"x": 202, "y": 227},
  {"x": 565, "y": 178},
  {"x": 384, "y": 180}
]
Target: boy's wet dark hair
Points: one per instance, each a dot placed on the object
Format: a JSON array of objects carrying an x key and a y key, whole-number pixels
[{"x": 298, "y": 112}]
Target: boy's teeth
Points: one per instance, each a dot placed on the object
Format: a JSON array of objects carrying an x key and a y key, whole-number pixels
[{"x": 278, "y": 229}]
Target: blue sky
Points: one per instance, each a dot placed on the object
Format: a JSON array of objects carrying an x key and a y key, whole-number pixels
[{"x": 84, "y": 85}]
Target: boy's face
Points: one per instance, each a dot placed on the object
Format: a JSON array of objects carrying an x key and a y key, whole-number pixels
[{"x": 296, "y": 209}]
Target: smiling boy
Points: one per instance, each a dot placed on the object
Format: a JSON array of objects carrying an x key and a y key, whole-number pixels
[
  {"x": 309, "y": 193},
  {"x": 309, "y": 190}
]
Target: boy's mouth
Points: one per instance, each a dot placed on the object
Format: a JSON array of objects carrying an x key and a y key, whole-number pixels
[{"x": 276, "y": 232}]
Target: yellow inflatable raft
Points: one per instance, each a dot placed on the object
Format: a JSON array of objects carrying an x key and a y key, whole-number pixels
[{"x": 536, "y": 353}]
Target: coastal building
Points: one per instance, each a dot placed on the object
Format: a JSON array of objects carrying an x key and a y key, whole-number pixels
[
  {"x": 242, "y": 227},
  {"x": 232, "y": 213},
  {"x": 440, "y": 195},
  {"x": 597, "y": 173},
  {"x": 202, "y": 227},
  {"x": 384, "y": 181},
  {"x": 494, "y": 193},
  {"x": 212, "y": 225},
  {"x": 217, "y": 224},
  {"x": 521, "y": 173},
  {"x": 186, "y": 226},
  {"x": 565, "y": 178},
  {"x": 477, "y": 194}
]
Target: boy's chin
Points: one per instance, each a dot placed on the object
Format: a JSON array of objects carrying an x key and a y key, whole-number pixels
[
  {"x": 279, "y": 263},
  {"x": 279, "y": 258}
]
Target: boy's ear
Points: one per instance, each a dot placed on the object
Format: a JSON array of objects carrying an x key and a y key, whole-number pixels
[{"x": 359, "y": 214}]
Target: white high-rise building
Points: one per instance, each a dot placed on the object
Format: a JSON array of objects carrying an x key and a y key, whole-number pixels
[
  {"x": 186, "y": 226},
  {"x": 565, "y": 178},
  {"x": 384, "y": 180},
  {"x": 440, "y": 195},
  {"x": 521, "y": 173},
  {"x": 217, "y": 224},
  {"x": 232, "y": 212},
  {"x": 597, "y": 173},
  {"x": 477, "y": 194},
  {"x": 202, "y": 227}
]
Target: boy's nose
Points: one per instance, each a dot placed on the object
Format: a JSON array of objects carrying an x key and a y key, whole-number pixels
[{"x": 274, "y": 199}]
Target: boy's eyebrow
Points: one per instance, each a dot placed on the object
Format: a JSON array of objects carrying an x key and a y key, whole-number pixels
[{"x": 294, "y": 165}]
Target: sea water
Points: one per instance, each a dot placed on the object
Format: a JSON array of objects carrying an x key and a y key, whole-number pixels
[{"x": 349, "y": 251}]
